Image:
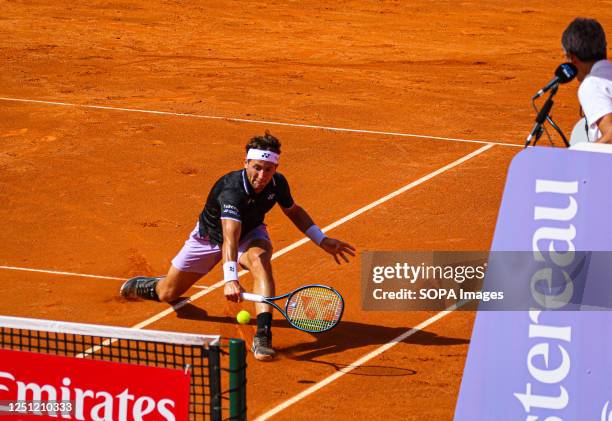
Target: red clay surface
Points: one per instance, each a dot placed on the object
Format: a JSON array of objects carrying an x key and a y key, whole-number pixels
[{"x": 114, "y": 193}]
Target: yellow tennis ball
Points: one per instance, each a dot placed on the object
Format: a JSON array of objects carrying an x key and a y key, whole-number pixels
[{"x": 243, "y": 317}]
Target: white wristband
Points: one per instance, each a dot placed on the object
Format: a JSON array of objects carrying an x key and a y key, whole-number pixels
[
  {"x": 230, "y": 271},
  {"x": 315, "y": 234}
]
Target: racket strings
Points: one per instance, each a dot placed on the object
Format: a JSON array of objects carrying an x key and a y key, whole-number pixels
[{"x": 315, "y": 309}]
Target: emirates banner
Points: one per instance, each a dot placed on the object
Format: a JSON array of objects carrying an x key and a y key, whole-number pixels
[{"x": 49, "y": 387}]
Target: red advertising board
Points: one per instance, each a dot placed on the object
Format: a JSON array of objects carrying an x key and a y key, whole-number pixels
[{"x": 50, "y": 387}]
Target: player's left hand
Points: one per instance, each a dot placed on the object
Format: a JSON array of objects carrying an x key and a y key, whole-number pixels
[{"x": 337, "y": 248}]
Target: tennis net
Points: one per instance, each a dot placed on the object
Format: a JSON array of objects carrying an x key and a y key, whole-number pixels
[{"x": 204, "y": 361}]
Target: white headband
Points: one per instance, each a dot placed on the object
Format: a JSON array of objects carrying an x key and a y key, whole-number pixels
[{"x": 263, "y": 155}]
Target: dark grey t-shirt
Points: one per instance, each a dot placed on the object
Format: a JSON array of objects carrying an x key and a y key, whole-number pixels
[{"x": 233, "y": 197}]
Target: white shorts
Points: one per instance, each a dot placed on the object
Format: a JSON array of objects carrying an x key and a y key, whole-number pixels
[{"x": 200, "y": 256}]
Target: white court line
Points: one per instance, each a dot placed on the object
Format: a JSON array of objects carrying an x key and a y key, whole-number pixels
[
  {"x": 82, "y": 275},
  {"x": 345, "y": 370},
  {"x": 353, "y": 215},
  {"x": 293, "y": 246},
  {"x": 279, "y": 253},
  {"x": 298, "y": 243},
  {"x": 387, "y": 197},
  {"x": 247, "y": 120}
]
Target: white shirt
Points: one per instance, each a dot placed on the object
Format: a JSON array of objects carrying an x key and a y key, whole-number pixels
[{"x": 595, "y": 96}]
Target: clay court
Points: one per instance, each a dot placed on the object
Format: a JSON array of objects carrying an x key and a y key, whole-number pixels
[{"x": 116, "y": 117}]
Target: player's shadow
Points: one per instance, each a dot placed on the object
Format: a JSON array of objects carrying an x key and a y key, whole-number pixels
[
  {"x": 347, "y": 335},
  {"x": 191, "y": 312}
]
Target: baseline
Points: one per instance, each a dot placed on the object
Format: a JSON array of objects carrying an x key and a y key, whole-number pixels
[{"x": 247, "y": 120}]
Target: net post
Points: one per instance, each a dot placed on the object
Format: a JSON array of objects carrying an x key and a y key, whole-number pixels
[
  {"x": 214, "y": 378},
  {"x": 237, "y": 379}
]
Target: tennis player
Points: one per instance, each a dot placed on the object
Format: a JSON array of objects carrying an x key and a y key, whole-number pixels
[
  {"x": 584, "y": 44},
  {"x": 231, "y": 228}
]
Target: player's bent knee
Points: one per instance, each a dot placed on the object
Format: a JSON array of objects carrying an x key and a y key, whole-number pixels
[{"x": 259, "y": 261}]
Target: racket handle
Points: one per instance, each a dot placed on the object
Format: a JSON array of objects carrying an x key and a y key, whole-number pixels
[{"x": 253, "y": 297}]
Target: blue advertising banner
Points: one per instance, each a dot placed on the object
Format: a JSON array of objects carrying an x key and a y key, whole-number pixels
[{"x": 554, "y": 361}]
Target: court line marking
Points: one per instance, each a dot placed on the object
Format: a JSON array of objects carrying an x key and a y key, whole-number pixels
[
  {"x": 287, "y": 249},
  {"x": 304, "y": 240},
  {"x": 54, "y": 272},
  {"x": 248, "y": 120},
  {"x": 80, "y": 275},
  {"x": 345, "y": 370}
]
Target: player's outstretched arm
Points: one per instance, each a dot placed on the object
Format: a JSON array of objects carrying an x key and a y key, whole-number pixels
[
  {"x": 337, "y": 248},
  {"x": 229, "y": 249}
]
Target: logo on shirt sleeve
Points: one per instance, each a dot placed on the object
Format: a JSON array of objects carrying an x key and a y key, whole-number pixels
[{"x": 230, "y": 211}]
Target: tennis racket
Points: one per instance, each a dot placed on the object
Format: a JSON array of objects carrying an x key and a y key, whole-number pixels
[{"x": 311, "y": 308}]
